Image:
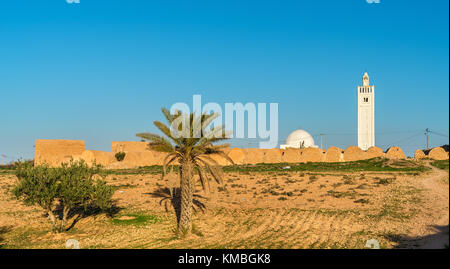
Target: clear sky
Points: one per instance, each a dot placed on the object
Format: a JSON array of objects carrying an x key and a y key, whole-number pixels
[{"x": 101, "y": 70}]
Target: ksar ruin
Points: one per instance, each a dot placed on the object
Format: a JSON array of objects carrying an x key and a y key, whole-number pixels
[{"x": 56, "y": 152}]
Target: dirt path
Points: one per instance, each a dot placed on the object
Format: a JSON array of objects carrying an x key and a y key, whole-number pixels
[{"x": 438, "y": 206}]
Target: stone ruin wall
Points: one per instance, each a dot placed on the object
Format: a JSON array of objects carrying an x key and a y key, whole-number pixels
[
  {"x": 438, "y": 153},
  {"x": 55, "y": 152}
]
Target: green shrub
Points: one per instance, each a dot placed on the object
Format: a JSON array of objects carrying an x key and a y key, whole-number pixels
[
  {"x": 120, "y": 156},
  {"x": 38, "y": 186},
  {"x": 441, "y": 164},
  {"x": 69, "y": 187}
]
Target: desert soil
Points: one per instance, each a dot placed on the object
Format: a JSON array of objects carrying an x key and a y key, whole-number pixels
[{"x": 255, "y": 210}]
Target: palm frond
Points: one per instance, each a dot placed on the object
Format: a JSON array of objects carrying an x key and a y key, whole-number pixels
[
  {"x": 166, "y": 162},
  {"x": 214, "y": 169},
  {"x": 204, "y": 180},
  {"x": 222, "y": 154},
  {"x": 188, "y": 148},
  {"x": 208, "y": 118},
  {"x": 169, "y": 117},
  {"x": 166, "y": 130},
  {"x": 157, "y": 142}
]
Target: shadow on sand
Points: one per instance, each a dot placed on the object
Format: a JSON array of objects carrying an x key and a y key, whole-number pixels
[
  {"x": 80, "y": 212},
  {"x": 437, "y": 240},
  {"x": 175, "y": 200},
  {"x": 4, "y": 230}
]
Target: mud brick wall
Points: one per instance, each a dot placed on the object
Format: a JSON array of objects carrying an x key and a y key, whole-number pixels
[{"x": 54, "y": 152}]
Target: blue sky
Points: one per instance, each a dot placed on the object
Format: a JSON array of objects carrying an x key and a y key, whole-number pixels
[{"x": 100, "y": 70}]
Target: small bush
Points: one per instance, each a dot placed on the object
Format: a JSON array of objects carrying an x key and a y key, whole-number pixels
[
  {"x": 69, "y": 187},
  {"x": 362, "y": 201},
  {"x": 221, "y": 189},
  {"x": 312, "y": 179},
  {"x": 385, "y": 181},
  {"x": 120, "y": 156},
  {"x": 38, "y": 186}
]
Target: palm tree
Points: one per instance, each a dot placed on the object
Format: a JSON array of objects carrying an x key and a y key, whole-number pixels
[{"x": 192, "y": 153}]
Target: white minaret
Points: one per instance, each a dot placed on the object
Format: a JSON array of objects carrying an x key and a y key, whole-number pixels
[{"x": 366, "y": 114}]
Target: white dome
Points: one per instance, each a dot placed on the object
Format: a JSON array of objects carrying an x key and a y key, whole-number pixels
[{"x": 299, "y": 138}]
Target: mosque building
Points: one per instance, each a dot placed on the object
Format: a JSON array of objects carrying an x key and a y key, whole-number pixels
[
  {"x": 299, "y": 139},
  {"x": 366, "y": 121},
  {"x": 366, "y": 114}
]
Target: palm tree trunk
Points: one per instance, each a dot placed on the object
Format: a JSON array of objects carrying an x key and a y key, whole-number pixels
[{"x": 187, "y": 191}]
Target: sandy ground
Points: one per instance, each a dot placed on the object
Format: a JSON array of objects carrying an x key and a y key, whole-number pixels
[
  {"x": 439, "y": 201},
  {"x": 256, "y": 210}
]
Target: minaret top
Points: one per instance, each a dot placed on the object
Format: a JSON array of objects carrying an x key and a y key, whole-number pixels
[{"x": 366, "y": 79}]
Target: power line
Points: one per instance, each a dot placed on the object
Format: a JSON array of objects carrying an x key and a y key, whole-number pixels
[
  {"x": 404, "y": 142},
  {"x": 436, "y": 133},
  {"x": 327, "y": 134}
]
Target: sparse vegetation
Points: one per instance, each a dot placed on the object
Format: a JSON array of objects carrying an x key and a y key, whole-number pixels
[
  {"x": 375, "y": 164},
  {"x": 264, "y": 209},
  {"x": 385, "y": 181},
  {"x": 58, "y": 191},
  {"x": 441, "y": 164},
  {"x": 371, "y": 165},
  {"x": 11, "y": 168},
  {"x": 362, "y": 201},
  {"x": 134, "y": 219},
  {"x": 120, "y": 156}
]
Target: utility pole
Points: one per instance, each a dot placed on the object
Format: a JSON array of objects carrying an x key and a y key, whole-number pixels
[
  {"x": 321, "y": 141},
  {"x": 3, "y": 159},
  {"x": 427, "y": 138}
]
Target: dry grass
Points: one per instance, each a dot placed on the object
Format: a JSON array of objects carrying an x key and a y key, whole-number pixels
[{"x": 284, "y": 209}]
